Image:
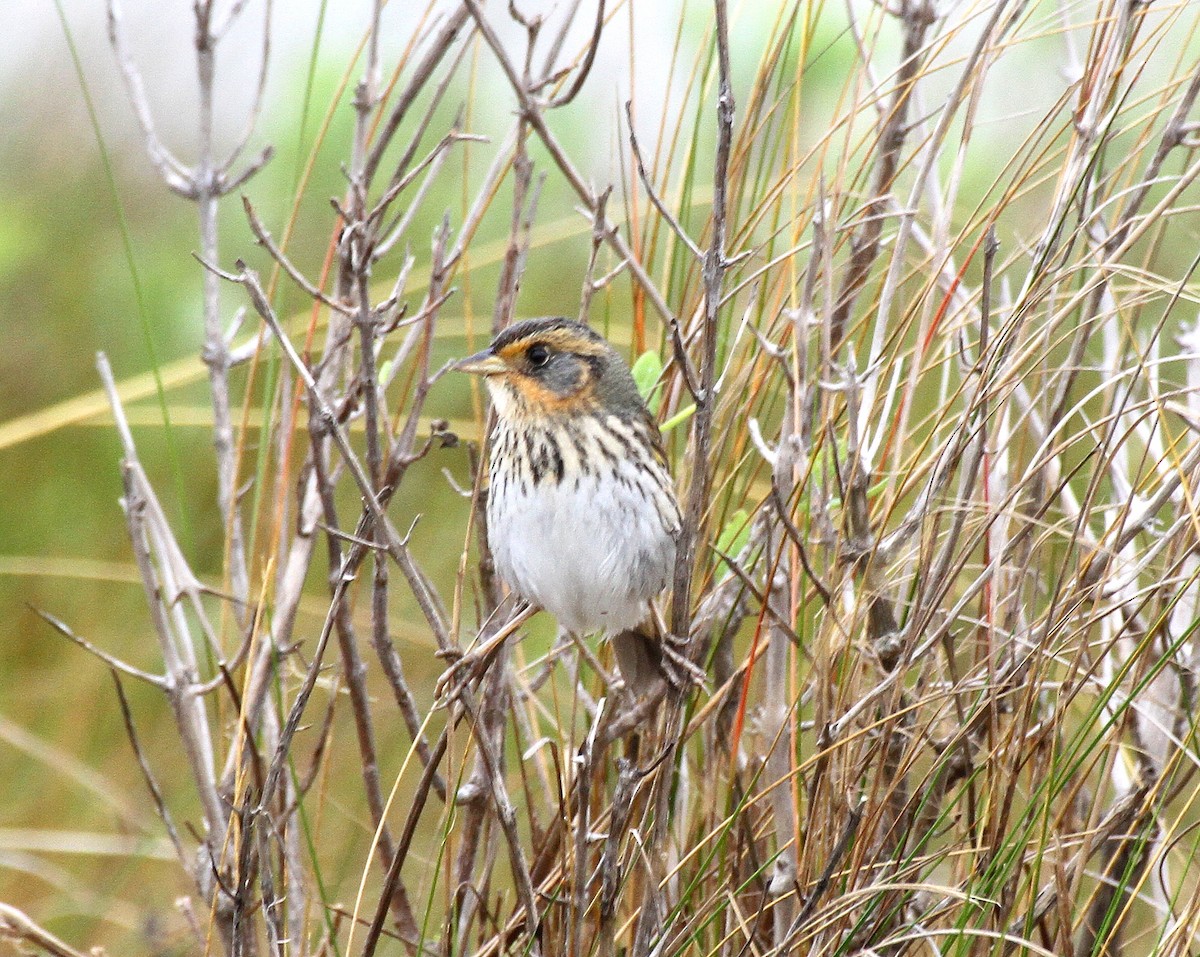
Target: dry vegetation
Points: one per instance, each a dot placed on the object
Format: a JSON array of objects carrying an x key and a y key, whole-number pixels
[{"x": 929, "y": 388}]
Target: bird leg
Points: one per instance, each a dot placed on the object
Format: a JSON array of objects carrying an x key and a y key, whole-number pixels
[{"x": 681, "y": 672}]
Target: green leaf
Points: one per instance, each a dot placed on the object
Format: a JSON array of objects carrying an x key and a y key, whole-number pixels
[
  {"x": 735, "y": 534},
  {"x": 678, "y": 419},
  {"x": 647, "y": 370}
]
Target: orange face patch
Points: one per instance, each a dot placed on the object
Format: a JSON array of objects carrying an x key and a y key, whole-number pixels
[
  {"x": 538, "y": 398},
  {"x": 541, "y": 400}
]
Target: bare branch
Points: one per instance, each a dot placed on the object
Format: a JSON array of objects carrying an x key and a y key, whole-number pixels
[
  {"x": 666, "y": 214},
  {"x": 586, "y": 67},
  {"x": 178, "y": 177},
  {"x": 113, "y": 663},
  {"x": 265, "y": 240}
]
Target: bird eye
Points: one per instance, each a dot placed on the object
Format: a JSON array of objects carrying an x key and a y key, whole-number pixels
[{"x": 538, "y": 355}]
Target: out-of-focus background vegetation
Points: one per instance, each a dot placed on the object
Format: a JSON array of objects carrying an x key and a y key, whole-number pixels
[{"x": 95, "y": 254}]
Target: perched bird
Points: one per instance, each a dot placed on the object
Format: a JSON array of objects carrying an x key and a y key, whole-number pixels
[{"x": 582, "y": 515}]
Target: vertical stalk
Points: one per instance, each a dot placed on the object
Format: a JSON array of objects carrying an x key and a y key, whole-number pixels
[
  {"x": 216, "y": 350},
  {"x": 715, "y": 264}
]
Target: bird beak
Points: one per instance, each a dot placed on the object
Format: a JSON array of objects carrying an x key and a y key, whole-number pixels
[{"x": 482, "y": 363}]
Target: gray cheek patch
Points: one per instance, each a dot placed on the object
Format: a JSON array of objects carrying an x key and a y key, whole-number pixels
[{"x": 564, "y": 375}]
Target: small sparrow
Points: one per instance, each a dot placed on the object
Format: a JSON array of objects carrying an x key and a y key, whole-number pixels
[{"x": 582, "y": 516}]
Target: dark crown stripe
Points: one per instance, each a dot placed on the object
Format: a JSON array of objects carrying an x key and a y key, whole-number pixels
[{"x": 532, "y": 327}]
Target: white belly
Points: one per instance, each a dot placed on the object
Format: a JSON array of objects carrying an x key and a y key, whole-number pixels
[{"x": 593, "y": 555}]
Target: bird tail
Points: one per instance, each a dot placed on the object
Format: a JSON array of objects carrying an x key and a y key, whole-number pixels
[
  {"x": 649, "y": 654},
  {"x": 640, "y": 657}
]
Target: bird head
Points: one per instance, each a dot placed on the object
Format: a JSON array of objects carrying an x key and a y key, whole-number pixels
[{"x": 554, "y": 367}]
